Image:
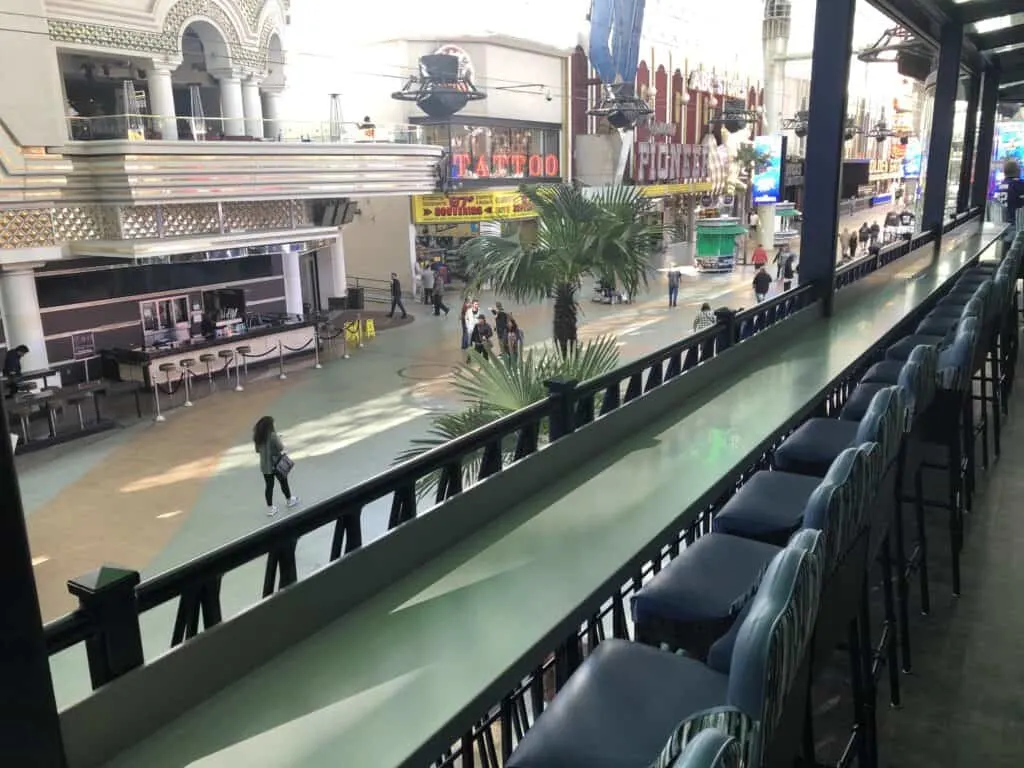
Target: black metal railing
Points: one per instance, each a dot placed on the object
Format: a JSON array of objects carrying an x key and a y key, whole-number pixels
[
  {"x": 449, "y": 470},
  {"x": 492, "y": 738}
]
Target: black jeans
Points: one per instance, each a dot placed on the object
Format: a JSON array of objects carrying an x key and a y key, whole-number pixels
[
  {"x": 439, "y": 305},
  {"x": 396, "y": 301},
  {"x": 268, "y": 490}
]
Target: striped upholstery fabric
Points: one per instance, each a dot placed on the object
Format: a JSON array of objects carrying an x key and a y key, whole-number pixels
[
  {"x": 711, "y": 748},
  {"x": 838, "y": 506},
  {"x": 769, "y": 650}
]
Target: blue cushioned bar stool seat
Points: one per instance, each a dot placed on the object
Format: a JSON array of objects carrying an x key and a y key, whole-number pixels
[
  {"x": 628, "y": 703},
  {"x": 769, "y": 507},
  {"x": 901, "y": 349}
]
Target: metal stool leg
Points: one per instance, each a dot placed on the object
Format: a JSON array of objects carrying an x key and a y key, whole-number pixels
[
  {"x": 158, "y": 416},
  {"x": 81, "y": 418},
  {"x": 188, "y": 388},
  {"x": 238, "y": 373}
]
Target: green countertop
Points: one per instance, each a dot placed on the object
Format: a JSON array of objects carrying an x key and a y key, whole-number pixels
[{"x": 370, "y": 689}]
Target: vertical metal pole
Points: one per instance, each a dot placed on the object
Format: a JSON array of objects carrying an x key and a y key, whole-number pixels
[
  {"x": 188, "y": 389},
  {"x": 157, "y": 416},
  {"x": 963, "y": 195},
  {"x": 30, "y": 732},
  {"x": 947, "y": 82},
  {"x": 986, "y": 138},
  {"x": 826, "y": 124},
  {"x": 316, "y": 346},
  {"x": 280, "y": 362},
  {"x": 238, "y": 371}
]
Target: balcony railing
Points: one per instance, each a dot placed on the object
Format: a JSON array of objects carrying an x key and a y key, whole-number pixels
[{"x": 209, "y": 129}]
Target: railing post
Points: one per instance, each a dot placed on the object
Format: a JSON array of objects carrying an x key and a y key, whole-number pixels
[
  {"x": 562, "y": 394},
  {"x": 726, "y": 317},
  {"x": 107, "y": 596}
]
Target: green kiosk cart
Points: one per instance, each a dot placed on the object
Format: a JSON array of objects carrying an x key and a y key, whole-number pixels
[
  {"x": 787, "y": 223},
  {"x": 716, "y": 243}
]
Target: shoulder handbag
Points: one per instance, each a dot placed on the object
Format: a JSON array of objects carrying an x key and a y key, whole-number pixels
[{"x": 283, "y": 465}]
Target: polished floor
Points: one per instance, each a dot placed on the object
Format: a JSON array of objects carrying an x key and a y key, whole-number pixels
[{"x": 963, "y": 704}]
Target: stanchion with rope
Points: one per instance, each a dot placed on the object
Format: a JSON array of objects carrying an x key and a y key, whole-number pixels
[
  {"x": 316, "y": 347},
  {"x": 186, "y": 375},
  {"x": 298, "y": 349},
  {"x": 280, "y": 362},
  {"x": 359, "y": 330},
  {"x": 245, "y": 362},
  {"x": 158, "y": 415},
  {"x": 238, "y": 371}
]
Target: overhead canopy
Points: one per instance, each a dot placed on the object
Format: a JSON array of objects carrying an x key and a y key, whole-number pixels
[{"x": 728, "y": 229}]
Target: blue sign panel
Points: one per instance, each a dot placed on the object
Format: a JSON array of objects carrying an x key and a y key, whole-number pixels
[
  {"x": 615, "y": 27},
  {"x": 768, "y": 177},
  {"x": 912, "y": 159},
  {"x": 1009, "y": 146}
]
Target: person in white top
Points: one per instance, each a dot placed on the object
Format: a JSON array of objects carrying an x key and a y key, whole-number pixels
[{"x": 427, "y": 278}]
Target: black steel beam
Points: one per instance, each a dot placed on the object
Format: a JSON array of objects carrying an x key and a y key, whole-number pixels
[
  {"x": 979, "y": 10},
  {"x": 947, "y": 83},
  {"x": 986, "y": 138},
  {"x": 30, "y": 733},
  {"x": 1003, "y": 37},
  {"x": 826, "y": 124},
  {"x": 963, "y": 195}
]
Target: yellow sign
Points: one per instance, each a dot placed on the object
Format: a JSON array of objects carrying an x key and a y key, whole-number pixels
[
  {"x": 470, "y": 207},
  {"x": 664, "y": 190}
]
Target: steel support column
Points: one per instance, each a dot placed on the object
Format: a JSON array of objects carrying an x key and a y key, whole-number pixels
[
  {"x": 963, "y": 195},
  {"x": 826, "y": 122},
  {"x": 30, "y": 735},
  {"x": 947, "y": 82},
  {"x": 986, "y": 138}
]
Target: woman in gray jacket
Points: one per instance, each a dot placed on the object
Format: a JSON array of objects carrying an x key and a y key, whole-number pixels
[{"x": 271, "y": 450}]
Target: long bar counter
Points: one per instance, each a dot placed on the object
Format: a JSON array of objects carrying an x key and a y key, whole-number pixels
[{"x": 264, "y": 344}]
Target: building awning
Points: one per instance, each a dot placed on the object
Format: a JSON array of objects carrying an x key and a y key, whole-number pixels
[
  {"x": 788, "y": 213},
  {"x": 728, "y": 229}
]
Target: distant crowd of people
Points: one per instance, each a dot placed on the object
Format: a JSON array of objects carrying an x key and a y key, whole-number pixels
[{"x": 479, "y": 335}]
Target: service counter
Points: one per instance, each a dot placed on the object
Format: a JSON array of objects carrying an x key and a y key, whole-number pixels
[{"x": 142, "y": 364}]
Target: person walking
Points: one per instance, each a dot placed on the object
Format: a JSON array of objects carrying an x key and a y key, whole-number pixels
[
  {"x": 482, "y": 337},
  {"x": 706, "y": 318},
  {"x": 778, "y": 260},
  {"x": 515, "y": 338},
  {"x": 439, "y": 304},
  {"x": 1014, "y": 192},
  {"x": 428, "y": 278},
  {"x": 673, "y": 286},
  {"x": 788, "y": 271},
  {"x": 464, "y": 321},
  {"x": 275, "y": 464},
  {"x": 760, "y": 257},
  {"x": 501, "y": 318},
  {"x": 396, "y": 297},
  {"x": 853, "y": 245},
  {"x": 762, "y": 284}
]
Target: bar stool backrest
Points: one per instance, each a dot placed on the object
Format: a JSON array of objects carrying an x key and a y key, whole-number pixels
[
  {"x": 927, "y": 358},
  {"x": 837, "y": 506},
  {"x": 884, "y": 422},
  {"x": 711, "y": 748},
  {"x": 956, "y": 362}
]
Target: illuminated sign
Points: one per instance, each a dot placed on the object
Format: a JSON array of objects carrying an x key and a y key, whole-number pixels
[
  {"x": 471, "y": 208},
  {"x": 504, "y": 166},
  {"x": 768, "y": 180},
  {"x": 911, "y": 161},
  {"x": 671, "y": 164},
  {"x": 703, "y": 81},
  {"x": 1009, "y": 146}
]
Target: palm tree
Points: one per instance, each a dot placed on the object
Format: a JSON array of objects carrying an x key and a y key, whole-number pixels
[
  {"x": 605, "y": 233},
  {"x": 498, "y": 386}
]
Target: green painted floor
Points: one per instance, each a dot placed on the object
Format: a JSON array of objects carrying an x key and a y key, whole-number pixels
[{"x": 372, "y": 688}]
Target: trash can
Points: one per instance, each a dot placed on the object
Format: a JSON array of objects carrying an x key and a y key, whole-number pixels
[{"x": 355, "y": 298}]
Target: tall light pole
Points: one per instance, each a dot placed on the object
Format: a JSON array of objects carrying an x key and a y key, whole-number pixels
[{"x": 775, "y": 43}]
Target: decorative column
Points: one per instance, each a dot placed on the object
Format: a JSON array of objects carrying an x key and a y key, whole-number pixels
[
  {"x": 272, "y": 112},
  {"x": 232, "y": 111},
  {"x": 292, "y": 283},
  {"x": 339, "y": 282},
  {"x": 947, "y": 83},
  {"x": 22, "y": 321},
  {"x": 253, "y": 106},
  {"x": 161, "y": 98},
  {"x": 826, "y": 125}
]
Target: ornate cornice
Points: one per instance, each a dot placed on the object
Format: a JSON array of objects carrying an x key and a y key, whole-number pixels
[{"x": 167, "y": 42}]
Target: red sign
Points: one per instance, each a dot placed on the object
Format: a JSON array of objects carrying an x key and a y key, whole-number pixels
[{"x": 505, "y": 166}]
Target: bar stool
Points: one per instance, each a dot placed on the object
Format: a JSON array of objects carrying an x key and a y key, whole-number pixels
[
  {"x": 22, "y": 411},
  {"x": 227, "y": 355},
  {"x": 76, "y": 401},
  {"x": 167, "y": 369},
  {"x": 206, "y": 358},
  {"x": 186, "y": 364},
  {"x": 243, "y": 352}
]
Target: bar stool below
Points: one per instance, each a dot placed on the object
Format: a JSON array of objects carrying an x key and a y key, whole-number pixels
[
  {"x": 227, "y": 355},
  {"x": 186, "y": 364},
  {"x": 167, "y": 369},
  {"x": 206, "y": 358},
  {"x": 243, "y": 352}
]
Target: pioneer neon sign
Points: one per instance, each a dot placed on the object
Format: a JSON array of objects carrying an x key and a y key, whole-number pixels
[
  {"x": 504, "y": 165},
  {"x": 668, "y": 163}
]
